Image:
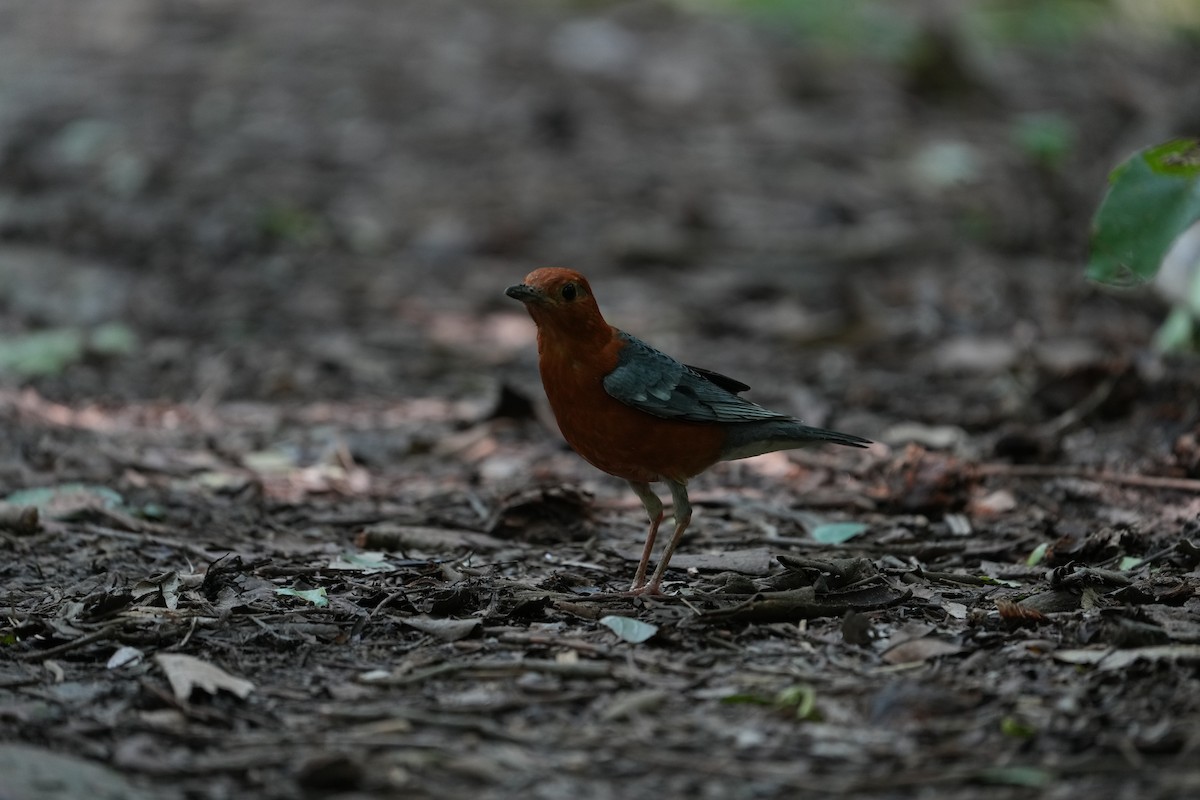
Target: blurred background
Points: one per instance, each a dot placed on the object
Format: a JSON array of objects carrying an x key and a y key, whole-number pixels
[{"x": 212, "y": 200}]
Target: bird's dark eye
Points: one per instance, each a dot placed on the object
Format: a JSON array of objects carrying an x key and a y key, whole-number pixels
[{"x": 568, "y": 292}]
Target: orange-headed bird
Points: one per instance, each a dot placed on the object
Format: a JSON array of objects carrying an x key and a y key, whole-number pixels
[{"x": 639, "y": 414}]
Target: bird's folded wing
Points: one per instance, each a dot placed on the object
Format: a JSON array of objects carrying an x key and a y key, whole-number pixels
[{"x": 652, "y": 381}]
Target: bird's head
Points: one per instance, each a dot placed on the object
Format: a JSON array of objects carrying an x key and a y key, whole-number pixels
[{"x": 560, "y": 302}]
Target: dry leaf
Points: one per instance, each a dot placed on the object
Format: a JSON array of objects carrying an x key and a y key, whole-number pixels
[
  {"x": 448, "y": 630},
  {"x": 186, "y": 674},
  {"x": 1011, "y": 611},
  {"x": 919, "y": 650}
]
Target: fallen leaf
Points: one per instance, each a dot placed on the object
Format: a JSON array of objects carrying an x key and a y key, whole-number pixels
[
  {"x": 123, "y": 656},
  {"x": 628, "y": 629},
  {"x": 838, "y": 532},
  {"x": 1109, "y": 659},
  {"x": 747, "y": 562},
  {"x": 160, "y": 587},
  {"x": 1030, "y": 777},
  {"x": 367, "y": 562},
  {"x": 1015, "y": 612},
  {"x": 448, "y": 630},
  {"x": 917, "y": 650},
  {"x": 390, "y": 536},
  {"x": 66, "y": 501},
  {"x": 315, "y": 596},
  {"x": 186, "y": 673}
]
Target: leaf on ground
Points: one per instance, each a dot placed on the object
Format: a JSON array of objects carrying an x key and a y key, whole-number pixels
[
  {"x": 366, "y": 562},
  {"x": 186, "y": 674},
  {"x": 1109, "y": 659},
  {"x": 1031, "y": 777},
  {"x": 67, "y": 500},
  {"x": 1014, "y": 612},
  {"x": 33, "y": 772},
  {"x": 122, "y": 656},
  {"x": 316, "y": 596},
  {"x": 448, "y": 630},
  {"x": 390, "y": 536},
  {"x": 629, "y": 629},
  {"x": 1038, "y": 554},
  {"x": 756, "y": 561},
  {"x": 838, "y": 532},
  {"x": 41, "y": 352},
  {"x": 917, "y": 650},
  {"x": 163, "y": 587}
]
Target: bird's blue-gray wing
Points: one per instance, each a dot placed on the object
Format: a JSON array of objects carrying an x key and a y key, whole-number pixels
[{"x": 652, "y": 381}]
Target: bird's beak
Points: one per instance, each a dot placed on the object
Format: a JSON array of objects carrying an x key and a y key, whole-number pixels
[{"x": 524, "y": 292}]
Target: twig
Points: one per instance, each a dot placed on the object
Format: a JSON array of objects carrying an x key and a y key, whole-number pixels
[
  {"x": 74, "y": 644},
  {"x": 1120, "y": 478},
  {"x": 127, "y": 536}
]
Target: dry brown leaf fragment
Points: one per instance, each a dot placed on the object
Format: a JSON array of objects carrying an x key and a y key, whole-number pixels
[
  {"x": 187, "y": 673},
  {"x": 1012, "y": 611},
  {"x": 916, "y": 650}
]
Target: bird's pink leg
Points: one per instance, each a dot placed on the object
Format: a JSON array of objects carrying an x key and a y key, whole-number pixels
[
  {"x": 654, "y": 510},
  {"x": 683, "y": 515}
]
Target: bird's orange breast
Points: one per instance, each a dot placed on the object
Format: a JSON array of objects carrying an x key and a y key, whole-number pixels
[{"x": 614, "y": 437}]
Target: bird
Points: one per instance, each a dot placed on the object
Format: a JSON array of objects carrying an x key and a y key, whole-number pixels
[{"x": 638, "y": 414}]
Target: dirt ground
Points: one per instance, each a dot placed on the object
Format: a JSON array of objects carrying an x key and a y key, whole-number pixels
[{"x": 306, "y": 529}]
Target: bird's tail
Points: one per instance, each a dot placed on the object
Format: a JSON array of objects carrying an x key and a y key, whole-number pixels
[{"x": 755, "y": 438}]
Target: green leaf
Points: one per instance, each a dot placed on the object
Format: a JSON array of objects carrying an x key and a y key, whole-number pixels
[
  {"x": 40, "y": 353},
  {"x": 838, "y": 532},
  {"x": 746, "y": 698},
  {"x": 1045, "y": 138},
  {"x": 365, "y": 561},
  {"x": 66, "y": 501},
  {"x": 628, "y": 629},
  {"x": 1037, "y": 555},
  {"x": 1017, "y": 729},
  {"x": 1130, "y": 562},
  {"x": 113, "y": 339},
  {"x": 802, "y": 698},
  {"x": 1152, "y": 199},
  {"x": 1031, "y": 777},
  {"x": 315, "y": 596}
]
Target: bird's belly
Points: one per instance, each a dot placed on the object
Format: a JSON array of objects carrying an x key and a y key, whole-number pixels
[{"x": 634, "y": 445}]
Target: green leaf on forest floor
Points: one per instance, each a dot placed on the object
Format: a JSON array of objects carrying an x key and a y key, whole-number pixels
[
  {"x": 315, "y": 596},
  {"x": 49, "y": 352},
  {"x": 1152, "y": 199},
  {"x": 1017, "y": 729},
  {"x": 1046, "y": 139},
  {"x": 988, "y": 580},
  {"x": 837, "y": 532},
  {"x": 1031, "y": 777},
  {"x": 1130, "y": 562},
  {"x": 1037, "y": 555},
  {"x": 66, "y": 500},
  {"x": 800, "y": 700},
  {"x": 40, "y": 352},
  {"x": 629, "y": 629},
  {"x": 365, "y": 561}
]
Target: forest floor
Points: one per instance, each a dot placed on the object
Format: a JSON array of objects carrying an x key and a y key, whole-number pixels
[{"x": 304, "y": 525}]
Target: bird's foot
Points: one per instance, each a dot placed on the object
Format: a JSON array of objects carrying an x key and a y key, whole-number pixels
[{"x": 651, "y": 589}]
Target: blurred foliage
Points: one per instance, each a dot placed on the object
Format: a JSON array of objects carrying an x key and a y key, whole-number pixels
[
  {"x": 49, "y": 352},
  {"x": 893, "y": 29},
  {"x": 1046, "y": 138},
  {"x": 1148, "y": 228},
  {"x": 290, "y": 224}
]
